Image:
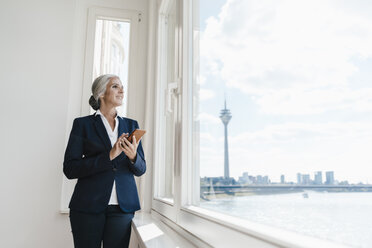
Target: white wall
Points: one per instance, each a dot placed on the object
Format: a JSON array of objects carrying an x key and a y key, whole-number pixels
[{"x": 41, "y": 67}]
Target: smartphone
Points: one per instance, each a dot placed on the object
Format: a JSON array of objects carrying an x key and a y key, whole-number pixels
[{"x": 138, "y": 133}]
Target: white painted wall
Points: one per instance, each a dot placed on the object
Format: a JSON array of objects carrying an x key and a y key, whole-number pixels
[{"x": 41, "y": 68}]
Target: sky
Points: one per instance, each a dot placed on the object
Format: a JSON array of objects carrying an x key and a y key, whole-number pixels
[{"x": 298, "y": 81}]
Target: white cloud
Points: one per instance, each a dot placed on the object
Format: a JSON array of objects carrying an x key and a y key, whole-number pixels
[
  {"x": 292, "y": 131},
  {"x": 207, "y": 138},
  {"x": 316, "y": 101},
  {"x": 201, "y": 79},
  {"x": 207, "y": 119},
  {"x": 294, "y": 56},
  {"x": 205, "y": 94}
]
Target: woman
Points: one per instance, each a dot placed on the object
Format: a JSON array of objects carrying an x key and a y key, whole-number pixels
[{"x": 99, "y": 155}]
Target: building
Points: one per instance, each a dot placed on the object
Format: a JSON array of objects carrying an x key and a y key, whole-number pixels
[
  {"x": 266, "y": 180},
  {"x": 244, "y": 179},
  {"x": 330, "y": 178},
  {"x": 282, "y": 179},
  {"x": 259, "y": 179},
  {"x": 299, "y": 178},
  {"x": 225, "y": 117},
  {"x": 306, "y": 179},
  {"x": 217, "y": 181},
  {"x": 318, "y": 178}
]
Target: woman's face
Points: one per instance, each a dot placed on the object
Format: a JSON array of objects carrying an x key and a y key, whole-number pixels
[{"x": 114, "y": 93}]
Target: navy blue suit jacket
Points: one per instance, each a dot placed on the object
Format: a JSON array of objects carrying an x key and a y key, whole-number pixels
[{"x": 87, "y": 158}]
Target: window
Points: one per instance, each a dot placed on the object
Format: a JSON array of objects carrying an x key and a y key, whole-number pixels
[
  {"x": 295, "y": 78},
  {"x": 111, "y": 47},
  {"x": 273, "y": 118},
  {"x": 111, "y": 53},
  {"x": 169, "y": 110},
  {"x": 168, "y": 107}
]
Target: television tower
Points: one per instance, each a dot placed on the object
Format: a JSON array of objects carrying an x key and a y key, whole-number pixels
[{"x": 225, "y": 117}]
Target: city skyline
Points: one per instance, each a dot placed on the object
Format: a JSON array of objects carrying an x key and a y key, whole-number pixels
[{"x": 306, "y": 179}]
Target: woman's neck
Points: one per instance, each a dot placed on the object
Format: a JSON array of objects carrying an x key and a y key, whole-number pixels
[{"x": 108, "y": 112}]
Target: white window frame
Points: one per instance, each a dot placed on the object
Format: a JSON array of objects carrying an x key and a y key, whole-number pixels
[
  {"x": 131, "y": 16},
  {"x": 94, "y": 13},
  {"x": 165, "y": 206},
  {"x": 201, "y": 226}
]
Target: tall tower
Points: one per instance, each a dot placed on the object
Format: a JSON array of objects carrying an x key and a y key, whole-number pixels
[{"x": 225, "y": 117}]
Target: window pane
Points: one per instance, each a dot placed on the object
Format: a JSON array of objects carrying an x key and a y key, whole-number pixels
[
  {"x": 111, "y": 53},
  {"x": 283, "y": 114},
  {"x": 168, "y": 106}
]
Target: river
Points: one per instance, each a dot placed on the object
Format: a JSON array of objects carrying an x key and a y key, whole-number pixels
[{"x": 344, "y": 218}]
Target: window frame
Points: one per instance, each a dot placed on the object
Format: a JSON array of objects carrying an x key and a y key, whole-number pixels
[
  {"x": 131, "y": 16},
  {"x": 164, "y": 206}
]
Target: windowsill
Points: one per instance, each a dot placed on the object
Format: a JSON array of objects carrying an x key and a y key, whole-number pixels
[
  {"x": 276, "y": 236},
  {"x": 151, "y": 232},
  {"x": 168, "y": 201}
]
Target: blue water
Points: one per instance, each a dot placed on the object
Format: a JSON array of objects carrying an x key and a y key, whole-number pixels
[{"x": 345, "y": 218}]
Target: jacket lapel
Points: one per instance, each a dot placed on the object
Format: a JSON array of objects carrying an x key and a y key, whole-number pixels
[
  {"x": 101, "y": 130},
  {"x": 123, "y": 127}
]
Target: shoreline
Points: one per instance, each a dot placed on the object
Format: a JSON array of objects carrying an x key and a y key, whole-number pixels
[{"x": 208, "y": 196}]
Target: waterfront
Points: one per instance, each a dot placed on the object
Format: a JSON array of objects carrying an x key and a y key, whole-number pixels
[{"x": 341, "y": 217}]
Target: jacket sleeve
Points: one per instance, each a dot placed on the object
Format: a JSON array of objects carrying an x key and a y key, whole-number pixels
[
  {"x": 139, "y": 166},
  {"x": 75, "y": 165}
]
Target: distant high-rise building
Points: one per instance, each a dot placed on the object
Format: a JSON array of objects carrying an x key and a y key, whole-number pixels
[
  {"x": 330, "y": 178},
  {"x": 318, "y": 180},
  {"x": 306, "y": 179},
  {"x": 244, "y": 179},
  {"x": 299, "y": 178},
  {"x": 225, "y": 117},
  {"x": 252, "y": 179},
  {"x": 259, "y": 179},
  {"x": 282, "y": 179}
]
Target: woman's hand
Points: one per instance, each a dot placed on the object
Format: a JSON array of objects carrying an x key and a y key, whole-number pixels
[
  {"x": 130, "y": 149},
  {"x": 117, "y": 149}
]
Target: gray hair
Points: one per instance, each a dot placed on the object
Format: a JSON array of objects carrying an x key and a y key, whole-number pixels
[{"x": 99, "y": 88}]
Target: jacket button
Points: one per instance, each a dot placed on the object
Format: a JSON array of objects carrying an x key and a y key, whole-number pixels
[{"x": 114, "y": 169}]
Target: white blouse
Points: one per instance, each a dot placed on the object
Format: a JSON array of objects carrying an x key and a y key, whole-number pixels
[{"x": 113, "y": 135}]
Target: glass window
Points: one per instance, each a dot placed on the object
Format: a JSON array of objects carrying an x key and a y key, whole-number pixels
[
  {"x": 168, "y": 107},
  {"x": 282, "y": 121},
  {"x": 111, "y": 53}
]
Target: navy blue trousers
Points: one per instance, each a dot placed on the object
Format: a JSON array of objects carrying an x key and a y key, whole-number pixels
[{"x": 112, "y": 227}]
